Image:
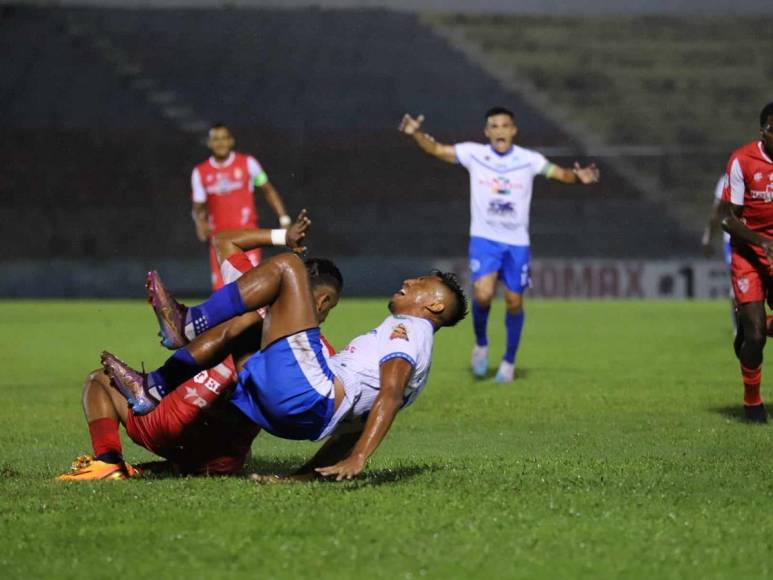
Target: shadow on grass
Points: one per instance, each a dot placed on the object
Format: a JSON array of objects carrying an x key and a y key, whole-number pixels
[
  {"x": 731, "y": 412},
  {"x": 520, "y": 373}
]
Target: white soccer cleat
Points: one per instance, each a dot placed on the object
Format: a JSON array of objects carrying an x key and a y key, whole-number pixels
[
  {"x": 505, "y": 373},
  {"x": 479, "y": 361}
]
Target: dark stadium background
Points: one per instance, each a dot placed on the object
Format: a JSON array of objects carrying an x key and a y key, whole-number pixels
[{"x": 103, "y": 110}]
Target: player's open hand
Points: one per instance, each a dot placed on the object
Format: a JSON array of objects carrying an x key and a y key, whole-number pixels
[
  {"x": 587, "y": 175},
  {"x": 409, "y": 125},
  {"x": 296, "y": 233},
  {"x": 202, "y": 231},
  {"x": 344, "y": 469}
]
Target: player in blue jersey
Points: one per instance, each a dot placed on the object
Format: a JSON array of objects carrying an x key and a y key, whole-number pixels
[{"x": 501, "y": 176}]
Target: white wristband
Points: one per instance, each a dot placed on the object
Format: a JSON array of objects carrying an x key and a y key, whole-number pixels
[
  {"x": 285, "y": 221},
  {"x": 279, "y": 237}
]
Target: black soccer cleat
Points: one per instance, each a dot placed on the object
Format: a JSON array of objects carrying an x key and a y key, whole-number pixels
[{"x": 755, "y": 413}]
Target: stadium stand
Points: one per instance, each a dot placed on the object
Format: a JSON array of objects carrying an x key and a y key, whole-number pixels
[{"x": 91, "y": 117}]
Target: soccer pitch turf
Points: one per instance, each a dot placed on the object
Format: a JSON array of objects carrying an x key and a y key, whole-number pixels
[{"x": 618, "y": 452}]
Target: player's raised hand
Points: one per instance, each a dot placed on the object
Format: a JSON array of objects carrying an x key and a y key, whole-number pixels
[
  {"x": 587, "y": 175},
  {"x": 409, "y": 125},
  {"x": 344, "y": 469},
  {"x": 296, "y": 233}
]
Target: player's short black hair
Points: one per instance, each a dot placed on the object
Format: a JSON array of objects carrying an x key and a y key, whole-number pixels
[
  {"x": 498, "y": 111},
  {"x": 459, "y": 310},
  {"x": 220, "y": 125},
  {"x": 766, "y": 112},
  {"x": 323, "y": 272}
]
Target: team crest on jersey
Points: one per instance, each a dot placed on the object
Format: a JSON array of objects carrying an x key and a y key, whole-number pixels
[
  {"x": 399, "y": 331},
  {"x": 758, "y": 176},
  {"x": 237, "y": 173},
  {"x": 743, "y": 285}
]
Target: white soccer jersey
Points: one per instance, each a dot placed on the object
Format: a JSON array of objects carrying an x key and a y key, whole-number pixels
[
  {"x": 718, "y": 189},
  {"x": 358, "y": 366},
  {"x": 500, "y": 190}
]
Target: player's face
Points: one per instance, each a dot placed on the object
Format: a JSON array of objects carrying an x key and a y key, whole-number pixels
[
  {"x": 500, "y": 130},
  {"x": 766, "y": 134},
  {"x": 220, "y": 142},
  {"x": 325, "y": 299},
  {"x": 416, "y": 295}
]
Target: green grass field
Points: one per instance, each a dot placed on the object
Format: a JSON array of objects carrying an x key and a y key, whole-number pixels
[{"x": 619, "y": 452}]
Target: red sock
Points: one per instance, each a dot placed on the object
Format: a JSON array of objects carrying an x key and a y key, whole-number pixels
[
  {"x": 104, "y": 436},
  {"x": 751, "y": 385}
]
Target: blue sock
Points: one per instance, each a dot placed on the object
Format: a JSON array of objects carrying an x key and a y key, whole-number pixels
[
  {"x": 479, "y": 323},
  {"x": 514, "y": 325},
  {"x": 177, "y": 369},
  {"x": 221, "y": 306}
]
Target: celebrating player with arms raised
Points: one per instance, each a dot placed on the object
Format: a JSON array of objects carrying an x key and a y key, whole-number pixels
[
  {"x": 747, "y": 215},
  {"x": 222, "y": 192},
  {"x": 501, "y": 176}
]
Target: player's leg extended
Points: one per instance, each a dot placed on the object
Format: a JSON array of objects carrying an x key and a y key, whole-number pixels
[
  {"x": 515, "y": 275},
  {"x": 104, "y": 410},
  {"x": 485, "y": 262},
  {"x": 752, "y": 321}
]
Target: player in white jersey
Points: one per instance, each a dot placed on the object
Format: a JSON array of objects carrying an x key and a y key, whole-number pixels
[
  {"x": 501, "y": 177},
  {"x": 289, "y": 388}
]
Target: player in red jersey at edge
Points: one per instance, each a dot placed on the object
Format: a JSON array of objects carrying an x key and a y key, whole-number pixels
[
  {"x": 222, "y": 193},
  {"x": 195, "y": 428},
  {"x": 747, "y": 215}
]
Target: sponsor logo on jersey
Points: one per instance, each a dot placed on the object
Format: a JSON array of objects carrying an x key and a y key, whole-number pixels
[
  {"x": 192, "y": 393},
  {"x": 765, "y": 195},
  {"x": 224, "y": 185},
  {"x": 743, "y": 285},
  {"x": 399, "y": 332},
  {"x": 500, "y": 207}
]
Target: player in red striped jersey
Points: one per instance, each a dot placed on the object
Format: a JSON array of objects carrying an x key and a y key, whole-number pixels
[
  {"x": 747, "y": 215},
  {"x": 222, "y": 193}
]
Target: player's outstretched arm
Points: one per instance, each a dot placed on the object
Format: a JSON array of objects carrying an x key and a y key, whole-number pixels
[
  {"x": 275, "y": 201},
  {"x": 394, "y": 377},
  {"x": 577, "y": 174},
  {"x": 410, "y": 126},
  {"x": 730, "y": 219},
  {"x": 231, "y": 242}
]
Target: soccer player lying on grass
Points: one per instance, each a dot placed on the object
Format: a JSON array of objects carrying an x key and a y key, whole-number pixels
[
  {"x": 196, "y": 430},
  {"x": 289, "y": 388}
]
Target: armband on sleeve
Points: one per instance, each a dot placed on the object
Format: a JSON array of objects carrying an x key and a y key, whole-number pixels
[
  {"x": 549, "y": 170},
  {"x": 260, "y": 179}
]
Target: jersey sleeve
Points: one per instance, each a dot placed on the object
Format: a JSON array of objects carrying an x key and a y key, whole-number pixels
[
  {"x": 198, "y": 193},
  {"x": 399, "y": 338},
  {"x": 258, "y": 175},
  {"x": 464, "y": 152},
  {"x": 539, "y": 163},
  {"x": 735, "y": 187},
  {"x": 719, "y": 188}
]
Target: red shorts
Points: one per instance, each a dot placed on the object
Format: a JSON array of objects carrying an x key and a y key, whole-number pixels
[
  {"x": 199, "y": 435},
  {"x": 217, "y": 277},
  {"x": 750, "y": 275}
]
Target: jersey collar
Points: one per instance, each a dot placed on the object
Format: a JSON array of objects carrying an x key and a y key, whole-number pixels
[
  {"x": 505, "y": 154},
  {"x": 761, "y": 147},
  {"x": 225, "y": 163}
]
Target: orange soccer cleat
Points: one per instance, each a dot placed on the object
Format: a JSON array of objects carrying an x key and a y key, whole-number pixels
[{"x": 86, "y": 468}]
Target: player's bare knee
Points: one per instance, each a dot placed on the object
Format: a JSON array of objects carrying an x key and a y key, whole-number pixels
[{"x": 514, "y": 303}]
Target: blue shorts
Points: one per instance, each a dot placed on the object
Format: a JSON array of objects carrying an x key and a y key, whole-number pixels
[
  {"x": 287, "y": 388},
  {"x": 728, "y": 255},
  {"x": 510, "y": 262}
]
